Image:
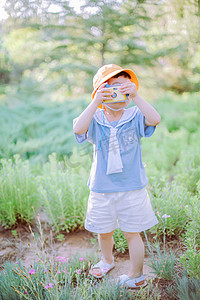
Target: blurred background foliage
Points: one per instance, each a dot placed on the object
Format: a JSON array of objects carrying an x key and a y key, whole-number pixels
[{"x": 60, "y": 44}]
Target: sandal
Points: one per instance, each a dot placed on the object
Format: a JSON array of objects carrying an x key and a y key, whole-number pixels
[
  {"x": 103, "y": 267},
  {"x": 132, "y": 282}
]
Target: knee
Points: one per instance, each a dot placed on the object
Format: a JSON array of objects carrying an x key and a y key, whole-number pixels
[
  {"x": 105, "y": 236},
  {"x": 131, "y": 235}
]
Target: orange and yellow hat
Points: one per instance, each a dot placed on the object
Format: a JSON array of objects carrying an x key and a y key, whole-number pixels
[{"x": 108, "y": 71}]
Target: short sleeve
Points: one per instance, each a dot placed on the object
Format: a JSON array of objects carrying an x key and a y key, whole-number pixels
[
  {"x": 87, "y": 136},
  {"x": 144, "y": 130}
]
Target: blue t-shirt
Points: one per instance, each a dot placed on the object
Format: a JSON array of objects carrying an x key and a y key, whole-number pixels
[{"x": 130, "y": 129}]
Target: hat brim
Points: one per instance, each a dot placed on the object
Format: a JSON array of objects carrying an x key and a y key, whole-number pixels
[{"x": 128, "y": 71}]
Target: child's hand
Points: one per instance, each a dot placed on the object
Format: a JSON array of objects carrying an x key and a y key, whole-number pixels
[
  {"x": 129, "y": 88},
  {"x": 102, "y": 94}
]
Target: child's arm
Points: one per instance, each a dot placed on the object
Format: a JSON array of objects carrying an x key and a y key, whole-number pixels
[
  {"x": 83, "y": 121},
  {"x": 152, "y": 117}
]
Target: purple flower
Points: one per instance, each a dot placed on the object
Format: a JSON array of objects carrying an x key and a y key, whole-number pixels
[
  {"x": 62, "y": 259},
  {"x": 158, "y": 213},
  {"x": 49, "y": 285},
  {"x": 59, "y": 257},
  {"x": 63, "y": 271},
  {"x": 80, "y": 258},
  {"x": 25, "y": 292},
  {"x": 78, "y": 271},
  {"x": 16, "y": 262},
  {"x": 165, "y": 216},
  {"x": 32, "y": 271}
]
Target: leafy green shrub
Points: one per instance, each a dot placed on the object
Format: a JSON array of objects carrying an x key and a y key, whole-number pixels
[
  {"x": 35, "y": 129},
  {"x": 162, "y": 152},
  {"x": 64, "y": 195},
  {"x": 121, "y": 244},
  {"x": 162, "y": 263},
  {"x": 18, "y": 192},
  {"x": 193, "y": 212},
  {"x": 187, "y": 288},
  {"x": 191, "y": 257},
  {"x": 187, "y": 170},
  {"x": 180, "y": 112},
  {"x": 170, "y": 200}
]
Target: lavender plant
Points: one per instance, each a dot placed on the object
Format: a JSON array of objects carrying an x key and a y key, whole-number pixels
[
  {"x": 161, "y": 262},
  {"x": 171, "y": 198},
  {"x": 64, "y": 195},
  {"x": 18, "y": 192}
]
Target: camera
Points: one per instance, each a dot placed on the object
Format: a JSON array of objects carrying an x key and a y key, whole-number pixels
[{"x": 116, "y": 95}]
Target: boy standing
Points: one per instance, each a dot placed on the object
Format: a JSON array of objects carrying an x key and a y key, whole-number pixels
[{"x": 118, "y": 197}]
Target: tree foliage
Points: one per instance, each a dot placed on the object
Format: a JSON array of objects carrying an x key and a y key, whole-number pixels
[{"x": 68, "y": 44}]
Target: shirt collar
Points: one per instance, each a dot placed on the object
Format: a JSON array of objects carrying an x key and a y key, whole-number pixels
[{"x": 128, "y": 115}]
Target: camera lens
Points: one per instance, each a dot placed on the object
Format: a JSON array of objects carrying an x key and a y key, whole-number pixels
[{"x": 114, "y": 95}]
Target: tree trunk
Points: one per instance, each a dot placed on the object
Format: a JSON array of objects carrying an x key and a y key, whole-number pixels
[{"x": 102, "y": 54}]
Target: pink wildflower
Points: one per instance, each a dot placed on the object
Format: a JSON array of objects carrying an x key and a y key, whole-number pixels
[
  {"x": 49, "y": 285},
  {"x": 78, "y": 271},
  {"x": 59, "y": 272},
  {"x": 158, "y": 213},
  {"x": 80, "y": 258},
  {"x": 16, "y": 262},
  {"x": 25, "y": 292},
  {"x": 63, "y": 271},
  {"x": 165, "y": 216},
  {"x": 32, "y": 271},
  {"x": 61, "y": 259}
]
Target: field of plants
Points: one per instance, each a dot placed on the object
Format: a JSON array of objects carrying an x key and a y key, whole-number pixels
[{"x": 42, "y": 168}]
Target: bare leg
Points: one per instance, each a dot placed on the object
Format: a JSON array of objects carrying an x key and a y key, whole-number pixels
[
  {"x": 136, "y": 252},
  {"x": 106, "y": 245}
]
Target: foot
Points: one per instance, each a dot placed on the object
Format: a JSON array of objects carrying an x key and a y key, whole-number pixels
[
  {"x": 101, "y": 268},
  {"x": 132, "y": 282}
]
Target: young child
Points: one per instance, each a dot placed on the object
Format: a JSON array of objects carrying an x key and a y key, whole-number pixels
[{"x": 118, "y": 197}]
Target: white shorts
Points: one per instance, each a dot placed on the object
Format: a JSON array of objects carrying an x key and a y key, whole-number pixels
[{"x": 130, "y": 211}]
